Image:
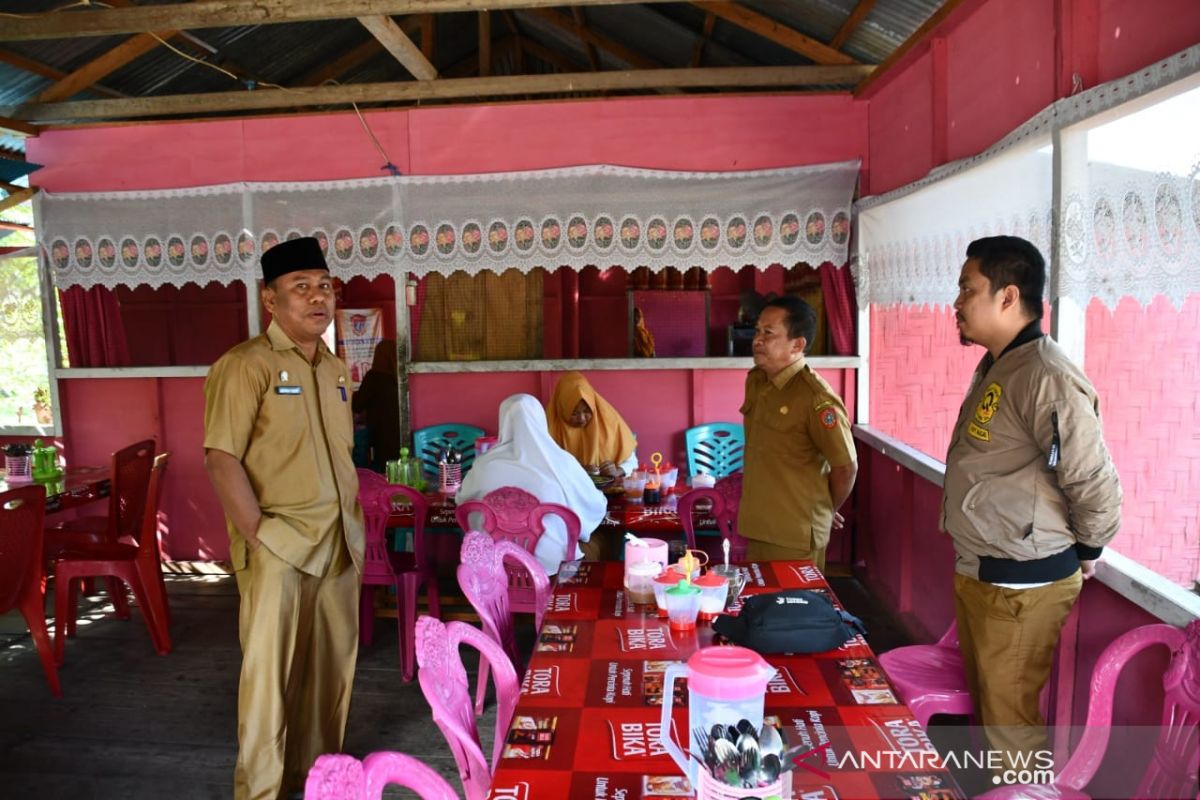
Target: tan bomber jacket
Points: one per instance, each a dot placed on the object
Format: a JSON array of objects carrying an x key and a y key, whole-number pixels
[{"x": 1030, "y": 487}]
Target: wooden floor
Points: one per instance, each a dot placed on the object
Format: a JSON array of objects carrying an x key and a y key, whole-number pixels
[{"x": 135, "y": 725}]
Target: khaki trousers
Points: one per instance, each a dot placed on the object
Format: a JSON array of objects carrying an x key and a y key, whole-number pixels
[
  {"x": 1008, "y": 638},
  {"x": 766, "y": 551},
  {"x": 299, "y": 636}
]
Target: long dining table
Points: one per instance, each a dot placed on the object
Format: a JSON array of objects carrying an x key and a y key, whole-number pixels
[
  {"x": 76, "y": 487},
  {"x": 588, "y": 718}
]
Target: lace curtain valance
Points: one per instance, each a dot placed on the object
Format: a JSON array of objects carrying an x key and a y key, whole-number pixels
[
  {"x": 1127, "y": 228},
  {"x": 595, "y": 215}
]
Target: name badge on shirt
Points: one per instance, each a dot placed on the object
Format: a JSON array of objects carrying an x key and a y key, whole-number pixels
[
  {"x": 342, "y": 392},
  {"x": 287, "y": 390}
]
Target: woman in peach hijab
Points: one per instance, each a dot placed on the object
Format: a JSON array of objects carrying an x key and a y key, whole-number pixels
[{"x": 585, "y": 425}]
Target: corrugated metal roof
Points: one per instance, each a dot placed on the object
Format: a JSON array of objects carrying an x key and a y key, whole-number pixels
[{"x": 287, "y": 53}]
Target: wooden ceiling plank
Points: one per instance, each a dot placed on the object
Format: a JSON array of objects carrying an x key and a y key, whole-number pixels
[
  {"x": 412, "y": 91},
  {"x": 18, "y": 127},
  {"x": 589, "y": 48},
  {"x": 428, "y": 37},
  {"x": 37, "y": 68},
  {"x": 626, "y": 54},
  {"x": 851, "y": 24},
  {"x": 396, "y": 42},
  {"x": 16, "y": 198},
  {"x": 105, "y": 64},
  {"x": 710, "y": 20},
  {"x": 237, "y": 13},
  {"x": 485, "y": 43},
  {"x": 935, "y": 19},
  {"x": 776, "y": 32}
]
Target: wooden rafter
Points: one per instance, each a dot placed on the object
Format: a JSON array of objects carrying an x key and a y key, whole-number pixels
[
  {"x": 5, "y": 225},
  {"x": 589, "y": 48},
  {"x": 38, "y": 68},
  {"x": 485, "y": 43},
  {"x": 428, "y": 36},
  {"x": 626, "y": 54},
  {"x": 105, "y": 64},
  {"x": 776, "y": 32},
  {"x": 16, "y": 198},
  {"x": 412, "y": 91},
  {"x": 237, "y": 13},
  {"x": 851, "y": 24},
  {"x": 710, "y": 20},
  {"x": 552, "y": 57},
  {"x": 935, "y": 19},
  {"x": 18, "y": 127},
  {"x": 396, "y": 42}
]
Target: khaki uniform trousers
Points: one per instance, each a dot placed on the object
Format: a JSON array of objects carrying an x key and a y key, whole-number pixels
[
  {"x": 1008, "y": 638},
  {"x": 766, "y": 551},
  {"x": 299, "y": 636}
]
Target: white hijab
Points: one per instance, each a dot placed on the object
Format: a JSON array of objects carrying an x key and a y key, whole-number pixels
[{"x": 526, "y": 457}]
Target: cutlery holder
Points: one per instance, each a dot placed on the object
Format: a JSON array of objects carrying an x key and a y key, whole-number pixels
[{"x": 709, "y": 788}]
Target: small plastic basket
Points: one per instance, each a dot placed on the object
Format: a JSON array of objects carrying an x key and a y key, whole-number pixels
[
  {"x": 18, "y": 469},
  {"x": 709, "y": 788}
]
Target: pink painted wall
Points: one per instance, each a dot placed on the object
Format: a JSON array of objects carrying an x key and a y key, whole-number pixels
[{"x": 1145, "y": 363}]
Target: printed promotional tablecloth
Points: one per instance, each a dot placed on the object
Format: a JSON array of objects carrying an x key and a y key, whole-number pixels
[{"x": 587, "y": 723}]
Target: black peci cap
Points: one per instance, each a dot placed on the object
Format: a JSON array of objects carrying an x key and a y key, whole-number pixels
[{"x": 291, "y": 256}]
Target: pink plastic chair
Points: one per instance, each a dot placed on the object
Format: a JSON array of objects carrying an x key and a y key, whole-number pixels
[
  {"x": 930, "y": 678},
  {"x": 382, "y": 567},
  {"x": 22, "y": 570},
  {"x": 1172, "y": 771},
  {"x": 725, "y": 497},
  {"x": 480, "y": 575},
  {"x": 340, "y": 777},
  {"x": 444, "y": 683},
  {"x": 515, "y": 515}
]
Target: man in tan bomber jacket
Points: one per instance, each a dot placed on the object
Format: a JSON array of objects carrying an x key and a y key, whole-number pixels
[{"x": 1031, "y": 495}]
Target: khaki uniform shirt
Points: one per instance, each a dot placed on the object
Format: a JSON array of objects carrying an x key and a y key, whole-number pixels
[
  {"x": 290, "y": 424},
  {"x": 796, "y": 429}
]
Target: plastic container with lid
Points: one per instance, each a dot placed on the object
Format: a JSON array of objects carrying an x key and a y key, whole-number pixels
[
  {"x": 725, "y": 685},
  {"x": 713, "y": 592},
  {"x": 663, "y": 582},
  {"x": 683, "y": 606},
  {"x": 639, "y": 581}
]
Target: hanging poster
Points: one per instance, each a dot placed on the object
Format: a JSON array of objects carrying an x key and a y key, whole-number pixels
[{"x": 358, "y": 331}]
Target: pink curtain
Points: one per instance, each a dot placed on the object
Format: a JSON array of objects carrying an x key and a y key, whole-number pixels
[
  {"x": 837, "y": 285},
  {"x": 95, "y": 332}
]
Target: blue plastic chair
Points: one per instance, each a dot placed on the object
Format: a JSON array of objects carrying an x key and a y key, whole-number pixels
[
  {"x": 428, "y": 444},
  {"x": 716, "y": 448}
]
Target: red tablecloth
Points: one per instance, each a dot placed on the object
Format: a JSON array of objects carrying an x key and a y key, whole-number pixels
[{"x": 587, "y": 722}]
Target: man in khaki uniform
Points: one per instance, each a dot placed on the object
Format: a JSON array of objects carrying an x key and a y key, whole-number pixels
[
  {"x": 1031, "y": 496},
  {"x": 800, "y": 462},
  {"x": 278, "y": 434}
]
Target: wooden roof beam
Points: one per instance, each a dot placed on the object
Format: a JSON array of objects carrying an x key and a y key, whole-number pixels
[
  {"x": 105, "y": 64},
  {"x": 396, "y": 42},
  {"x": 18, "y": 127},
  {"x": 16, "y": 198},
  {"x": 589, "y": 48},
  {"x": 236, "y": 13},
  {"x": 776, "y": 32},
  {"x": 428, "y": 36},
  {"x": 413, "y": 91},
  {"x": 485, "y": 43},
  {"x": 710, "y": 20},
  {"x": 851, "y": 24},
  {"x": 37, "y": 68}
]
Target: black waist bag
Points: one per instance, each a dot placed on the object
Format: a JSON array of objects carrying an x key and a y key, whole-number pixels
[{"x": 793, "y": 621}]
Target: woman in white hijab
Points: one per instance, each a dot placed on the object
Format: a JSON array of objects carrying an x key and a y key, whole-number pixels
[{"x": 526, "y": 457}]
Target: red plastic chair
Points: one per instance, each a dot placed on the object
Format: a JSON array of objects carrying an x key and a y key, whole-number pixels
[
  {"x": 22, "y": 570},
  {"x": 382, "y": 567},
  {"x": 135, "y": 562},
  {"x": 480, "y": 572},
  {"x": 515, "y": 515},
  {"x": 930, "y": 678},
  {"x": 1172, "y": 771},
  {"x": 130, "y": 482},
  {"x": 443, "y": 681},
  {"x": 340, "y": 777},
  {"x": 725, "y": 497}
]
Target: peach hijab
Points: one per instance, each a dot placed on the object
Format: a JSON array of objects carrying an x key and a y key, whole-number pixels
[{"x": 605, "y": 438}]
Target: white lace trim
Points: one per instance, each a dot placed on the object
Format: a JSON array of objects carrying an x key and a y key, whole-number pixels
[
  {"x": 1123, "y": 233},
  {"x": 594, "y": 215}
]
